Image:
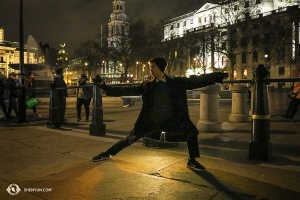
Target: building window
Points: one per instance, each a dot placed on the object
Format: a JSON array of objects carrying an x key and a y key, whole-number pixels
[
  {"x": 244, "y": 75},
  {"x": 123, "y": 30},
  {"x": 267, "y": 52},
  {"x": 224, "y": 61},
  {"x": 121, "y": 7},
  {"x": 184, "y": 23},
  {"x": 178, "y": 25},
  {"x": 267, "y": 38},
  {"x": 282, "y": 54},
  {"x": 223, "y": 45},
  {"x": 247, "y": 4},
  {"x": 243, "y": 42},
  {"x": 255, "y": 56},
  {"x": 199, "y": 20},
  {"x": 171, "y": 28},
  {"x": 224, "y": 33},
  {"x": 257, "y": 1},
  {"x": 244, "y": 58},
  {"x": 234, "y": 74},
  {"x": 191, "y": 22},
  {"x": 281, "y": 71},
  {"x": 204, "y": 19},
  {"x": 236, "y": 7},
  {"x": 255, "y": 40},
  {"x": 247, "y": 15}
]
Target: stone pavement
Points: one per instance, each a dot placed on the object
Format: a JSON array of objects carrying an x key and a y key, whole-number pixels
[{"x": 56, "y": 163}]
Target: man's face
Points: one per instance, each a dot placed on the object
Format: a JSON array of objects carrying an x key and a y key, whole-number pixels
[
  {"x": 31, "y": 76},
  {"x": 154, "y": 70}
]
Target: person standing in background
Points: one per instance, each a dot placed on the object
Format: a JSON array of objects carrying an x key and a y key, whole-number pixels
[
  {"x": 84, "y": 97},
  {"x": 295, "y": 102},
  {"x": 30, "y": 85},
  {"x": 2, "y": 102},
  {"x": 11, "y": 84},
  {"x": 62, "y": 94}
]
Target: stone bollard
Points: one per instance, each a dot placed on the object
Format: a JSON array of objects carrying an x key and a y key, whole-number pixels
[
  {"x": 251, "y": 102},
  {"x": 239, "y": 108},
  {"x": 53, "y": 107},
  {"x": 97, "y": 128},
  {"x": 272, "y": 99},
  {"x": 209, "y": 109},
  {"x": 260, "y": 146},
  {"x": 280, "y": 101}
]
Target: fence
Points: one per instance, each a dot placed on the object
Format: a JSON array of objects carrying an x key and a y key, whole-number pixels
[{"x": 265, "y": 101}]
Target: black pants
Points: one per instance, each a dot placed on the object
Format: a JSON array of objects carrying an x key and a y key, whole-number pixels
[
  {"x": 3, "y": 106},
  {"x": 292, "y": 109},
  {"x": 188, "y": 132},
  {"x": 86, "y": 103},
  {"x": 13, "y": 105},
  {"x": 62, "y": 103}
]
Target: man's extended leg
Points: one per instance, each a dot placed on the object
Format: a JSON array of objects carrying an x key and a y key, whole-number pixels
[
  {"x": 116, "y": 148},
  {"x": 193, "y": 148}
]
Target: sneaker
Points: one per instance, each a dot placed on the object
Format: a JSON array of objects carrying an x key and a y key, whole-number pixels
[
  {"x": 36, "y": 115},
  {"x": 194, "y": 165},
  {"x": 100, "y": 157}
]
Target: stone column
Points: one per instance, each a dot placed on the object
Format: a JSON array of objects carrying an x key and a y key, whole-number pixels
[
  {"x": 239, "y": 108},
  {"x": 209, "y": 109},
  {"x": 272, "y": 98},
  {"x": 251, "y": 103}
]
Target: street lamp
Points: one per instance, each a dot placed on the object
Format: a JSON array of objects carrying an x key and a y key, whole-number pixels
[
  {"x": 85, "y": 70},
  {"x": 266, "y": 59}
]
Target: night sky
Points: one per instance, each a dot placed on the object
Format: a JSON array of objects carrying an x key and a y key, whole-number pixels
[{"x": 75, "y": 21}]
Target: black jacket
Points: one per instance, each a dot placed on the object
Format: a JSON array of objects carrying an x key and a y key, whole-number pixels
[
  {"x": 2, "y": 86},
  {"x": 61, "y": 84},
  {"x": 12, "y": 87},
  {"x": 30, "y": 85},
  {"x": 178, "y": 87}
]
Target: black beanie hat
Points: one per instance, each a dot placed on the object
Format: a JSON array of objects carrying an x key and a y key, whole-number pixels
[{"x": 160, "y": 62}]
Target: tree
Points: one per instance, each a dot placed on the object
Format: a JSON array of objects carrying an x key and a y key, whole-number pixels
[
  {"x": 172, "y": 49},
  {"x": 201, "y": 45},
  {"x": 234, "y": 29},
  {"x": 126, "y": 47},
  {"x": 91, "y": 54}
]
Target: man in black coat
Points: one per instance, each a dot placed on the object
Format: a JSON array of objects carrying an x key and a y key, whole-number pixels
[
  {"x": 164, "y": 109},
  {"x": 62, "y": 94},
  {"x": 11, "y": 84},
  {"x": 2, "y": 102}
]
